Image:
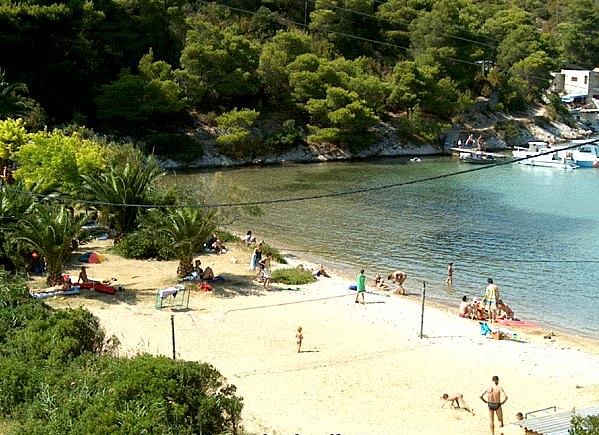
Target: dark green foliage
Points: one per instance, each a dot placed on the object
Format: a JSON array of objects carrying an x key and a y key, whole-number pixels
[
  {"x": 178, "y": 147},
  {"x": 510, "y": 130},
  {"x": 276, "y": 254},
  {"x": 140, "y": 245},
  {"x": 293, "y": 276},
  {"x": 584, "y": 426},
  {"x": 155, "y": 66},
  {"x": 57, "y": 377},
  {"x": 59, "y": 336}
]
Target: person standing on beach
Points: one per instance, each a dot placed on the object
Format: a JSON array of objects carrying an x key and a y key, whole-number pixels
[
  {"x": 449, "y": 279},
  {"x": 255, "y": 261},
  {"x": 494, "y": 402},
  {"x": 360, "y": 286},
  {"x": 265, "y": 267},
  {"x": 490, "y": 299},
  {"x": 298, "y": 338}
]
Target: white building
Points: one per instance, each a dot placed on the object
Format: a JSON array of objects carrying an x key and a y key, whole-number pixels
[{"x": 579, "y": 90}]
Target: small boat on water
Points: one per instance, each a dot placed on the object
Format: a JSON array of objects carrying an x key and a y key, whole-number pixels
[
  {"x": 585, "y": 156},
  {"x": 540, "y": 153},
  {"x": 478, "y": 158}
]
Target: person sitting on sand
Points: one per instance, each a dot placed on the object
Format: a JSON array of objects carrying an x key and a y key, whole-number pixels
[
  {"x": 218, "y": 247},
  {"x": 505, "y": 312},
  {"x": 477, "y": 310},
  {"x": 83, "y": 278},
  {"x": 249, "y": 239},
  {"x": 465, "y": 308},
  {"x": 379, "y": 282},
  {"x": 208, "y": 274},
  {"x": 399, "y": 277},
  {"x": 320, "y": 271},
  {"x": 456, "y": 401}
]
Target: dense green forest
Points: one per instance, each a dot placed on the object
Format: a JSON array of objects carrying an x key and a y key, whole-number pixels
[{"x": 267, "y": 75}]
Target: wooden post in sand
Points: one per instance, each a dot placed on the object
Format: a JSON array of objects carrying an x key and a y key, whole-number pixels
[
  {"x": 173, "y": 333},
  {"x": 422, "y": 312}
]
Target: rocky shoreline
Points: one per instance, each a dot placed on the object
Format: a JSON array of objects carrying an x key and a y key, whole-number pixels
[{"x": 501, "y": 132}]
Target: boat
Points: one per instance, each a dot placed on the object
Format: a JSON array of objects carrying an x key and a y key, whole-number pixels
[
  {"x": 540, "y": 153},
  {"x": 478, "y": 158},
  {"x": 585, "y": 156}
]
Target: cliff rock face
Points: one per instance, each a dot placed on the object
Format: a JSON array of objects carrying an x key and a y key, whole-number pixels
[{"x": 499, "y": 132}]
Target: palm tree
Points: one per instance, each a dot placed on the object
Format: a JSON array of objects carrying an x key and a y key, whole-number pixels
[
  {"x": 14, "y": 204},
  {"x": 123, "y": 188},
  {"x": 51, "y": 230},
  {"x": 12, "y": 101},
  {"x": 183, "y": 231}
]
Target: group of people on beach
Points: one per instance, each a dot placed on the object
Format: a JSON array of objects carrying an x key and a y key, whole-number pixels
[
  {"x": 260, "y": 261},
  {"x": 494, "y": 396},
  {"x": 490, "y": 308},
  {"x": 397, "y": 279}
]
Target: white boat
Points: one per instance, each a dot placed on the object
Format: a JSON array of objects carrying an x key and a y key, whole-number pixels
[
  {"x": 540, "y": 153},
  {"x": 585, "y": 156}
]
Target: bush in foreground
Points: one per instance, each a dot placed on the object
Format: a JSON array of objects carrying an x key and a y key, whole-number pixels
[
  {"x": 293, "y": 276},
  {"x": 58, "y": 376}
]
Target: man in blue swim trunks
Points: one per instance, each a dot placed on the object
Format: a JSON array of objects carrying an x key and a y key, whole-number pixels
[{"x": 494, "y": 402}]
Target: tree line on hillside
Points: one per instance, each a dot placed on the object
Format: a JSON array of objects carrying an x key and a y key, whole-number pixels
[{"x": 270, "y": 75}]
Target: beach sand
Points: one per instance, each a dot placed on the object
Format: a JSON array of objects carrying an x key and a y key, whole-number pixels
[{"x": 363, "y": 369}]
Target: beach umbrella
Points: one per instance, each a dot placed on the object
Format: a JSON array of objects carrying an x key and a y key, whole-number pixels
[{"x": 96, "y": 257}]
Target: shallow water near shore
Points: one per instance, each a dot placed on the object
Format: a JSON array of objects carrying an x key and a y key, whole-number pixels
[{"x": 535, "y": 231}]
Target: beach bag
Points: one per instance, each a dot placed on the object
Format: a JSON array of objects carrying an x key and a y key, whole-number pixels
[
  {"x": 484, "y": 328},
  {"x": 206, "y": 287}
]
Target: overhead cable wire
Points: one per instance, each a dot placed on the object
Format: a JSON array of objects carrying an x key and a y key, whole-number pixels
[
  {"x": 347, "y": 35},
  {"x": 374, "y": 41},
  {"x": 305, "y": 198}
]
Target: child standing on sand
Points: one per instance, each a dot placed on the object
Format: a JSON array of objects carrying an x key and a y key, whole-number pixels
[{"x": 298, "y": 338}]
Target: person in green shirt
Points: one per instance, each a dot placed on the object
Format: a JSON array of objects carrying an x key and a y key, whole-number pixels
[{"x": 360, "y": 286}]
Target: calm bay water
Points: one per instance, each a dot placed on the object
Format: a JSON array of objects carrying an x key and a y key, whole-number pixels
[{"x": 535, "y": 231}]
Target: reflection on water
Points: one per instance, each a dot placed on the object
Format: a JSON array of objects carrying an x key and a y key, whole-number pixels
[{"x": 534, "y": 230}]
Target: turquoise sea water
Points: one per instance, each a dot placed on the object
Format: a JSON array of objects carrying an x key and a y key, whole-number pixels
[{"x": 535, "y": 231}]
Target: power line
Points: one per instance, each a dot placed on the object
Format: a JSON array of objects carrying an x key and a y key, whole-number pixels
[
  {"x": 374, "y": 41},
  {"x": 335, "y": 32},
  {"x": 301, "y": 198},
  {"x": 364, "y": 14}
]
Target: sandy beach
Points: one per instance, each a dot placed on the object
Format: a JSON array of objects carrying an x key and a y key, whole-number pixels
[{"x": 364, "y": 369}]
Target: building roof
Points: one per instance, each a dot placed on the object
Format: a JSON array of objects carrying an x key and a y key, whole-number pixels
[{"x": 555, "y": 424}]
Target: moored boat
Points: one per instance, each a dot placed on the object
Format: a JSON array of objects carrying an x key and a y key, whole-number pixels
[
  {"x": 478, "y": 158},
  {"x": 540, "y": 153},
  {"x": 585, "y": 156}
]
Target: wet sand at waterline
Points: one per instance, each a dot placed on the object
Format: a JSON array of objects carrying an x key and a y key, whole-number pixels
[{"x": 363, "y": 369}]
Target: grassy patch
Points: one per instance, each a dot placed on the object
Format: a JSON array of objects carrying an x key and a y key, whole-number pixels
[{"x": 293, "y": 276}]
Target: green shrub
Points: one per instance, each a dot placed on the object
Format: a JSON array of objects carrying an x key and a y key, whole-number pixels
[
  {"x": 276, "y": 254},
  {"x": 61, "y": 335},
  {"x": 138, "y": 245},
  {"x": 57, "y": 379},
  {"x": 293, "y": 276},
  {"x": 584, "y": 425}
]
